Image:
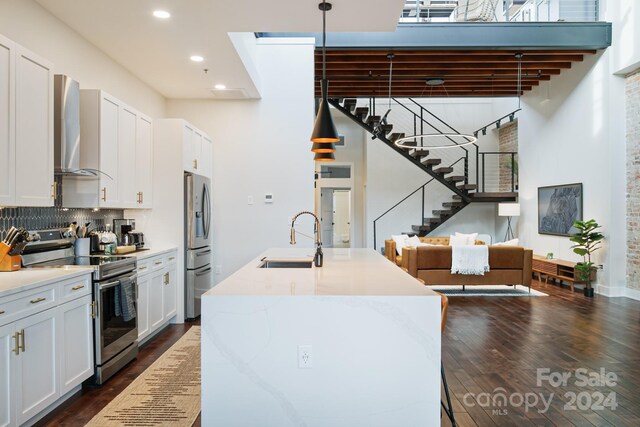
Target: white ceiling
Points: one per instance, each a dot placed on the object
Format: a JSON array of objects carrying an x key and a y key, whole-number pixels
[{"x": 157, "y": 51}]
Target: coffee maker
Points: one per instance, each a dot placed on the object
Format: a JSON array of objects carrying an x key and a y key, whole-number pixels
[{"x": 126, "y": 234}]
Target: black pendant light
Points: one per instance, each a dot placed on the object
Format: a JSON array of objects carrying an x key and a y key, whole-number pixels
[
  {"x": 323, "y": 147},
  {"x": 324, "y": 131},
  {"x": 324, "y": 157}
]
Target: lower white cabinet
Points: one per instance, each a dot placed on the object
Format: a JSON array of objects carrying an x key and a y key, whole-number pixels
[
  {"x": 76, "y": 343},
  {"x": 7, "y": 400},
  {"x": 46, "y": 350},
  {"x": 36, "y": 385},
  {"x": 157, "y": 293},
  {"x": 143, "y": 306}
]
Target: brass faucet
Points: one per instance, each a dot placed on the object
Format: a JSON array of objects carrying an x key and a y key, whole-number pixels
[{"x": 317, "y": 259}]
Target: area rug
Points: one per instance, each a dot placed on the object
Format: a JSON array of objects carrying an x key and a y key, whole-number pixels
[
  {"x": 487, "y": 291},
  {"x": 167, "y": 393}
]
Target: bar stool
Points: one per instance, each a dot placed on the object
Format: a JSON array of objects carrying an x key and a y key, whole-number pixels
[{"x": 447, "y": 409}]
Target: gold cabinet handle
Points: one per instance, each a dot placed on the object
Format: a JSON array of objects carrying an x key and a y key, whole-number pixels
[
  {"x": 75, "y": 288},
  {"x": 93, "y": 309},
  {"x": 172, "y": 258},
  {"x": 21, "y": 333},
  {"x": 104, "y": 194},
  {"x": 16, "y": 337},
  {"x": 141, "y": 197},
  {"x": 142, "y": 267},
  {"x": 1, "y": 311},
  {"x": 37, "y": 300},
  {"x": 195, "y": 163},
  {"x": 158, "y": 262},
  {"x": 166, "y": 278},
  {"x": 54, "y": 190}
]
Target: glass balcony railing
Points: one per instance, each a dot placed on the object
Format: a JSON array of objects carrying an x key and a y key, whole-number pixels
[{"x": 429, "y": 11}]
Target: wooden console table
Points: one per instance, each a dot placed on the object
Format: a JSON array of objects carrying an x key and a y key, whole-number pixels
[{"x": 556, "y": 269}]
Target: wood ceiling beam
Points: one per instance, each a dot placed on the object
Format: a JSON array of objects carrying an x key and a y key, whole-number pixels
[
  {"x": 439, "y": 72},
  {"x": 444, "y": 66},
  {"x": 400, "y": 58}
]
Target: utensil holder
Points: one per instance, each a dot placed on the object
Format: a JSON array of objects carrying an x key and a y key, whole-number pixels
[
  {"x": 9, "y": 262},
  {"x": 83, "y": 247}
]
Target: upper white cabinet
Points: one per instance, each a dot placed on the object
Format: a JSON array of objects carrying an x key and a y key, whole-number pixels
[
  {"x": 144, "y": 162},
  {"x": 197, "y": 148},
  {"x": 116, "y": 140},
  {"x": 26, "y": 127}
]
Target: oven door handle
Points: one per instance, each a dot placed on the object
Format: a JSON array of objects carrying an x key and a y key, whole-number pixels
[{"x": 109, "y": 285}]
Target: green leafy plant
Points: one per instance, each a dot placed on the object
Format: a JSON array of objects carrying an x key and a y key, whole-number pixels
[{"x": 587, "y": 240}]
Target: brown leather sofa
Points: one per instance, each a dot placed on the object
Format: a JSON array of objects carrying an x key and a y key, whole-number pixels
[
  {"x": 392, "y": 255},
  {"x": 509, "y": 265}
]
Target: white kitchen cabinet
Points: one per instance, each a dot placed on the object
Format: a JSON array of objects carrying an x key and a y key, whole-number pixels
[
  {"x": 46, "y": 347},
  {"x": 36, "y": 365},
  {"x": 7, "y": 124},
  {"x": 156, "y": 296},
  {"x": 26, "y": 127},
  {"x": 7, "y": 400},
  {"x": 143, "y": 306},
  {"x": 144, "y": 162},
  {"x": 127, "y": 157},
  {"x": 76, "y": 339},
  {"x": 170, "y": 295},
  {"x": 116, "y": 140},
  {"x": 196, "y": 150}
]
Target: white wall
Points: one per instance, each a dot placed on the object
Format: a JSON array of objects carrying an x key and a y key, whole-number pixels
[
  {"x": 260, "y": 146},
  {"x": 28, "y": 24}
]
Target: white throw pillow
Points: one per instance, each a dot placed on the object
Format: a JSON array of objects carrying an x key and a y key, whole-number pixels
[
  {"x": 458, "y": 240},
  {"x": 512, "y": 242},
  {"x": 413, "y": 241},
  {"x": 401, "y": 242},
  {"x": 471, "y": 238}
]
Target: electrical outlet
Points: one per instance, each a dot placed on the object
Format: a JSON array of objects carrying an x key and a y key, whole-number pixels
[
  {"x": 305, "y": 356},
  {"x": 249, "y": 200},
  {"x": 218, "y": 269}
]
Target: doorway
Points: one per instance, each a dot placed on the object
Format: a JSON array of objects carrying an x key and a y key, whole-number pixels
[{"x": 335, "y": 218}]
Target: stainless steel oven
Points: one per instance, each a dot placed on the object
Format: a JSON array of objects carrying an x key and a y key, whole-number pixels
[{"x": 115, "y": 324}]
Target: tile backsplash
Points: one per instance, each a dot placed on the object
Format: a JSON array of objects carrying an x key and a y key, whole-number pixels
[{"x": 53, "y": 217}]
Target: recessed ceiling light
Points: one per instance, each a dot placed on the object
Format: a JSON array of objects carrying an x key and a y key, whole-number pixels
[
  {"x": 220, "y": 87},
  {"x": 197, "y": 58},
  {"x": 161, "y": 14}
]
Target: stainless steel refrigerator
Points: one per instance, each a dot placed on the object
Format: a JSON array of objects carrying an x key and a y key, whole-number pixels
[{"x": 197, "y": 208}]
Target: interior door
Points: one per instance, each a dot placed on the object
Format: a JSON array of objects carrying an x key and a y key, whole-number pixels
[
  {"x": 326, "y": 216},
  {"x": 341, "y": 218}
]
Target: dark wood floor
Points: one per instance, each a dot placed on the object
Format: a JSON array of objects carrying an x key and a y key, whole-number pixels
[{"x": 490, "y": 343}]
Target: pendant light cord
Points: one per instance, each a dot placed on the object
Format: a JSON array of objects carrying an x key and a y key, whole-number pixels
[
  {"x": 324, "y": 41},
  {"x": 519, "y": 56},
  {"x": 391, "y": 56}
]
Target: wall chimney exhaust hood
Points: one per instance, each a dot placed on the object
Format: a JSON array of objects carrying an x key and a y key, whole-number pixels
[{"x": 66, "y": 126}]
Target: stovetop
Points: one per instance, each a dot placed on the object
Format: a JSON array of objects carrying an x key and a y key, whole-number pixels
[{"x": 93, "y": 260}]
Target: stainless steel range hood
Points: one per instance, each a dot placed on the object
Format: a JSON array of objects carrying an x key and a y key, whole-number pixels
[{"x": 66, "y": 126}]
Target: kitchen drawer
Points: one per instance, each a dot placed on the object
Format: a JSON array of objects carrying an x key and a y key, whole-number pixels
[
  {"x": 26, "y": 303},
  {"x": 75, "y": 288},
  {"x": 144, "y": 266},
  {"x": 170, "y": 258},
  {"x": 157, "y": 263}
]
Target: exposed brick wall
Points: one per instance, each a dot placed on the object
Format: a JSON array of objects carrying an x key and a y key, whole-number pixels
[
  {"x": 633, "y": 179},
  {"x": 507, "y": 141}
]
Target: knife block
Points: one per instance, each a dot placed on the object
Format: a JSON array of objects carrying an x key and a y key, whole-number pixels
[{"x": 9, "y": 262}]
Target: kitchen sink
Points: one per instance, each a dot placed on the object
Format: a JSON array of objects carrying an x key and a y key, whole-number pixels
[{"x": 280, "y": 263}]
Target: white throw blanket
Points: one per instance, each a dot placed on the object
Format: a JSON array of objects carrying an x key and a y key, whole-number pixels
[{"x": 470, "y": 260}]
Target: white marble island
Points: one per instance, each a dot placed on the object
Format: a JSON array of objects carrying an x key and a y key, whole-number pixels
[{"x": 371, "y": 331}]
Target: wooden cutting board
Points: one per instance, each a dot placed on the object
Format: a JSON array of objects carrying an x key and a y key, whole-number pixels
[{"x": 125, "y": 249}]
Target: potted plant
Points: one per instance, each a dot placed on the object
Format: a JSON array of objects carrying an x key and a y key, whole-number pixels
[{"x": 587, "y": 240}]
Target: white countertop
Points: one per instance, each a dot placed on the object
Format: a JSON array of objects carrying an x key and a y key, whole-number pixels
[
  {"x": 148, "y": 253},
  {"x": 344, "y": 272},
  {"x": 27, "y": 278}
]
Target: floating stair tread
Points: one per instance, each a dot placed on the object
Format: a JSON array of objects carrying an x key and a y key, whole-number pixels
[
  {"x": 455, "y": 178},
  {"x": 494, "y": 197},
  {"x": 418, "y": 153},
  {"x": 443, "y": 212},
  {"x": 430, "y": 162},
  {"x": 395, "y": 136},
  {"x": 372, "y": 120},
  {"x": 350, "y": 104},
  {"x": 421, "y": 228},
  {"x": 362, "y": 112},
  {"x": 443, "y": 170},
  {"x": 386, "y": 128},
  {"x": 453, "y": 204},
  {"x": 456, "y": 197},
  {"x": 432, "y": 220},
  {"x": 467, "y": 187}
]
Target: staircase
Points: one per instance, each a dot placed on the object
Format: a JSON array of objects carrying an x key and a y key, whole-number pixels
[{"x": 464, "y": 192}]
